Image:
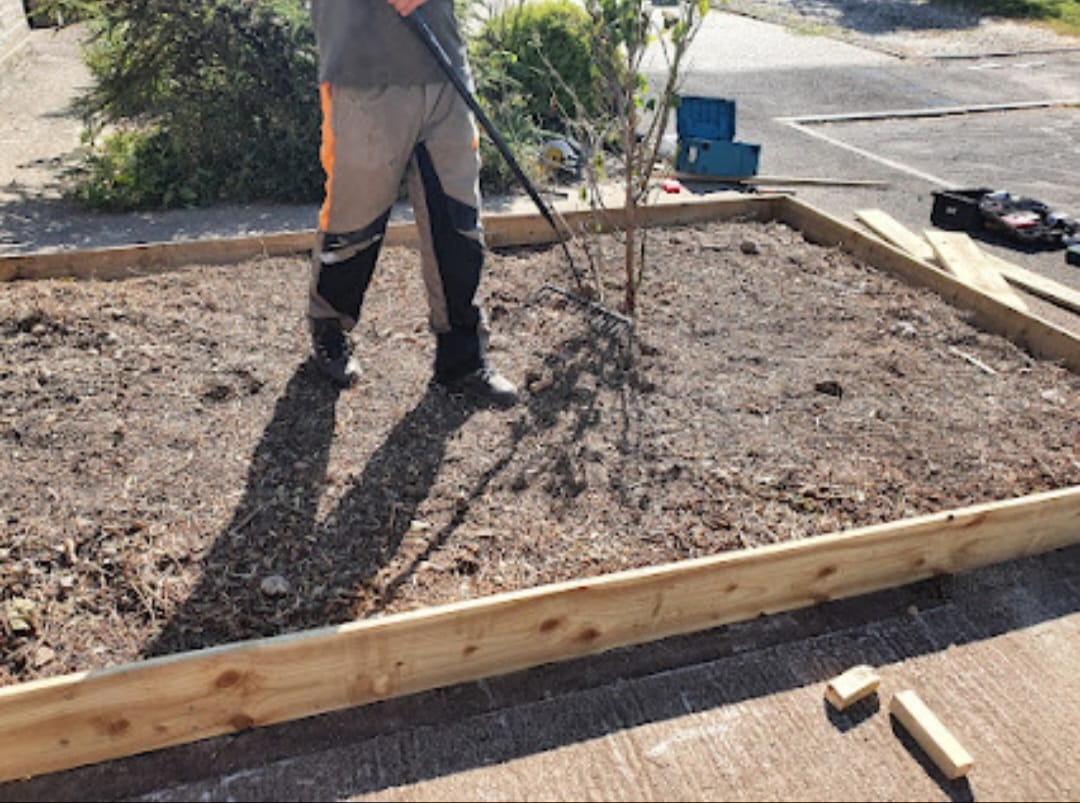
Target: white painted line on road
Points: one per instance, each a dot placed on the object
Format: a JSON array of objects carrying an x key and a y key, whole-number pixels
[
  {"x": 903, "y": 168},
  {"x": 803, "y": 124}
]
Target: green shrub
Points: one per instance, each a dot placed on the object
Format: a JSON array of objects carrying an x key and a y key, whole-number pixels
[
  {"x": 197, "y": 102},
  {"x": 56, "y": 13},
  {"x": 214, "y": 100},
  {"x": 528, "y": 41},
  {"x": 507, "y": 109}
]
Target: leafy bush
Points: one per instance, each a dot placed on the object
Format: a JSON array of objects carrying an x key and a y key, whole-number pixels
[
  {"x": 197, "y": 102},
  {"x": 214, "y": 100},
  {"x": 56, "y": 13},
  {"x": 548, "y": 51},
  {"x": 507, "y": 109}
]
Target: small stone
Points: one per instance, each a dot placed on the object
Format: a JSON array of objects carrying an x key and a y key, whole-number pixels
[
  {"x": 274, "y": 586},
  {"x": 19, "y": 615},
  {"x": 830, "y": 388},
  {"x": 749, "y": 247},
  {"x": 43, "y": 656}
]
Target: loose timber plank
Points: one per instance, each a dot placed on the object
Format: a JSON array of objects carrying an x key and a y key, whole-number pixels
[
  {"x": 893, "y": 231},
  {"x": 501, "y": 230},
  {"x": 1038, "y": 336},
  {"x": 63, "y": 722},
  {"x": 938, "y": 741},
  {"x": 958, "y": 254},
  {"x": 1036, "y": 284}
]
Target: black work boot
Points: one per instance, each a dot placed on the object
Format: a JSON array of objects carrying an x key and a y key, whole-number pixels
[
  {"x": 484, "y": 385},
  {"x": 460, "y": 368},
  {"x": 332, "y": 352}
]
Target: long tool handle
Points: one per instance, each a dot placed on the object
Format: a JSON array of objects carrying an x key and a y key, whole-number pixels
[{"x": 419, "y": 25}]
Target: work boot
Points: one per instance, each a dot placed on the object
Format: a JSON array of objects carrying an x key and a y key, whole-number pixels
[
  {"x": 485, "y": 385},
  {"x": 332, "y": 352}
]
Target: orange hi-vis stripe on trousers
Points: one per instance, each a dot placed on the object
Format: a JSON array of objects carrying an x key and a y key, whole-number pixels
[{"x": 327, "y": 151}]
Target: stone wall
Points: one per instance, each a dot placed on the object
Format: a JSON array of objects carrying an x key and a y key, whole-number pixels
[{"x": 14, "y": 29}]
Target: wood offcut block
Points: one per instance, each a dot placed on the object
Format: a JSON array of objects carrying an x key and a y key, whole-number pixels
[
  {"x": 851, "y": 686},
  {"x": 943, "y": 748}
]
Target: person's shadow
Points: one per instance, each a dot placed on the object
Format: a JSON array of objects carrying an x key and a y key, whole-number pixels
[
  {"x": 284, "y": 563},
  {"x": 276, "y": 567}
]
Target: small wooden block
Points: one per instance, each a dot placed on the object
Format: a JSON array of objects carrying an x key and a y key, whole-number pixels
[
  {"x": 933, "y": 737},
  {"x": 850, "y": 687}
]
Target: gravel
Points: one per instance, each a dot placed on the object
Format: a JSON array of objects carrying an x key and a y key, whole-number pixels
[{"x": 907, "y": 28}]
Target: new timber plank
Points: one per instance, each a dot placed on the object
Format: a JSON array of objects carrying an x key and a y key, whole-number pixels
[
  {"x": 896, "y": 233},
  {"x": 1038, "y": 336},
  {"x": 1037, "y": 284},
  {"x": 959, "y": 255},
  {"x": 938, "y": 741},
  {"x": 500, "y": 230},
  {"x": 87, "y": 717},
  {"x": 893, "y": 231}
]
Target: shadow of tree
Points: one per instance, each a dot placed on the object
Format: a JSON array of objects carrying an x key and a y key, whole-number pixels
[{"x": 595, "y": 354}]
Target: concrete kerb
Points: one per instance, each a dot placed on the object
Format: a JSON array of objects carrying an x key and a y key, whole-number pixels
[{"x": 944, "y": 111}]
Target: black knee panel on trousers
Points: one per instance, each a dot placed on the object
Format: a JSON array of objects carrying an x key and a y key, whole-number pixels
[{"x": 343, "y": 284}]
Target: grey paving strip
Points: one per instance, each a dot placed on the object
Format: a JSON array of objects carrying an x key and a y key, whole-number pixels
[
  {"x": 944, "y": 111},
  {"x": 1002, "y": 54}
]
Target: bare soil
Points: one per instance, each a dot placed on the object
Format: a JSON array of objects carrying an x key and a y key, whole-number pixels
[{"x": 174, "y": 474}]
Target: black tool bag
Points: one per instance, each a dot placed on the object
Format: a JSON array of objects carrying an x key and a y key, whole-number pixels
[{"x": 1016, "y": 218}]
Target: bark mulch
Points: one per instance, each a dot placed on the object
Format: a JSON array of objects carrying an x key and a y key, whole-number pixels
[{"x": 174, "y": 474}]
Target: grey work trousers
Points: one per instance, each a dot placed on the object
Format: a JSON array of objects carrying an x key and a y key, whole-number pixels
[{"x": 371, "y": 139}]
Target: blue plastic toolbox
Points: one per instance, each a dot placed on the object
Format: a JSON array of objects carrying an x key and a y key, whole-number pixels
[
  {"x": 705, "y": 118},
  {"x": 712, "y": 157}
]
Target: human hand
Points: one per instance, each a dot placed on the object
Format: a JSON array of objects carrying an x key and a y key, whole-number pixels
[{"x": 406, "y": 7}]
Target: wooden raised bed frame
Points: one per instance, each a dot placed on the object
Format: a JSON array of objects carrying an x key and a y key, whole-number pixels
[{"x": 72, "y": 720}]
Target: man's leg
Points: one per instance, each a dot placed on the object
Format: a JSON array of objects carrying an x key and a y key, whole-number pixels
[
  {"x": 444, "y": 185},
  {"x": 367, "y": 139}
]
